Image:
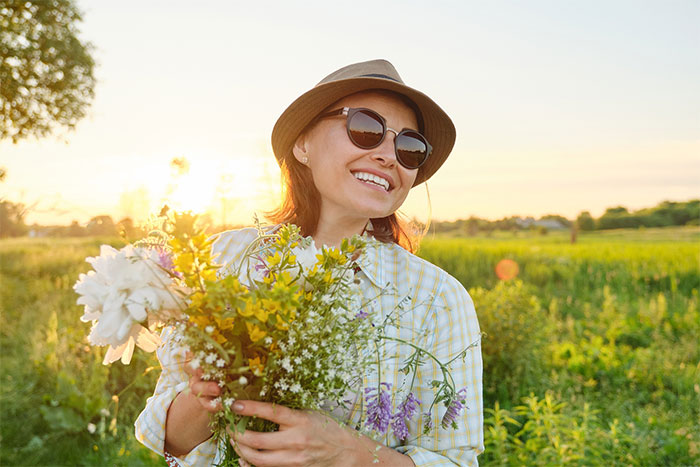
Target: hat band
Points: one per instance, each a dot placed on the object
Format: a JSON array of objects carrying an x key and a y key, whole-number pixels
[{"x": 377, "y": 75}]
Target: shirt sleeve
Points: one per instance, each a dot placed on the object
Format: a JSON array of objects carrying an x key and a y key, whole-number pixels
[
  {"x": 456, "y": 328},
  {"x": 150, "y": 425}
]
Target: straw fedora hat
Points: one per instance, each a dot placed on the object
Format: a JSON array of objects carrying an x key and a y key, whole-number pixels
[{"x": 375, "y": 74}]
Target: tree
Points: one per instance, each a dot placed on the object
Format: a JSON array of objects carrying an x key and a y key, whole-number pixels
[
  {"x": 585, "y": 221},
  {"x": 12, "y": 219},
  {"x": 46, "y": 72},
  {"x": 101, "y": 225}
]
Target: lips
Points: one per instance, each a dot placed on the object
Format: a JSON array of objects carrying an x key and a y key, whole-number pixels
[{"x": 374, "y": 179}]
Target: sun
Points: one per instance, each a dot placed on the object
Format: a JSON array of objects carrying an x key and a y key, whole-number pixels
[
  {"x": 194, "y": 191},
  {"x": 229, "y": 189}
]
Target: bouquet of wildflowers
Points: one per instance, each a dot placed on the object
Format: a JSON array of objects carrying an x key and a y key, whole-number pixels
[
  {"x": 288, "y": 331},
  {"x": 287, "y": 325}
]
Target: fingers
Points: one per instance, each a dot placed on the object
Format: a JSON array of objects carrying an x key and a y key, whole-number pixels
[
  {"x": 279, "y": 414},
  {"x": 205, "y": 392},
  {"x": 267, "y": 458},
  {"x": 188, "y": 368},
  {"x": 266, "y": 441}
]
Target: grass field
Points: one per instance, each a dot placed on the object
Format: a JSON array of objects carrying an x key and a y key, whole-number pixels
[{"x": 591, "y": 354}]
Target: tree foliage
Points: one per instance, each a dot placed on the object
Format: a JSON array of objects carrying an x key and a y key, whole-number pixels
[
  {"x": 585, "y": 221},
  {"x": 46, "y": 71},
  {"x": 12, "y": 219}
]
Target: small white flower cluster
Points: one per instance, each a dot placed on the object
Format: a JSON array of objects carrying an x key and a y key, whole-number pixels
[
  {"x": 321, "y": 357},
  {"x": 212, "y": 365}
]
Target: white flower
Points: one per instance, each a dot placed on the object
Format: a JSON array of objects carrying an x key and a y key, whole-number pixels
[
  {"x": 295, "y": 388},
  {"x": 242, "y": 380},
  {"x": 91, "y": 428},
  {"x": 209, "y": 329},
  {"x": 104, "y": 412},
  {"x": 210, "y": 358},
  {"x": 126, "y": 288},
  {"x": 306, "y": 256},
  {"x": 220, "y": 363},
  {"x": 286, "y": 364},
  {"x": 228, "y": 402},
  {"x": 195, "y": 363}
]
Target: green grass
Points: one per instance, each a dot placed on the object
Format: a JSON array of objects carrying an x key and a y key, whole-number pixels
[
  {"x": 54, "y": 384},
  {"x": 591, "y": 356}
]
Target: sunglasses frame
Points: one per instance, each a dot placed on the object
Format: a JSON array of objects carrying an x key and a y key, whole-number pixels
[{"x": 349, "y": 112}]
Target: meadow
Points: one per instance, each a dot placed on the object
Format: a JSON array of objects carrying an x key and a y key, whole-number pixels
[{"x": 591, "y": 353}]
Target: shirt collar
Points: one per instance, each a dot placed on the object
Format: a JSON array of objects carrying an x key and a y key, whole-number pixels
[{"x": 371, "y": 259}]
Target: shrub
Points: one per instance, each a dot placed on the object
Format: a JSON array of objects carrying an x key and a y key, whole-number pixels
[{"x": 515, "y": 326}]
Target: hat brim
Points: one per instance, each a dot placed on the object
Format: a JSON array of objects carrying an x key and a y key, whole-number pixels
[{"x": 437, "y": 126}]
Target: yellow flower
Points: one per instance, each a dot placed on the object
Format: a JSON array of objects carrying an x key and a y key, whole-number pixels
[
  {"x": 281, "y": 324},
  {"x": 272, "y": 306},
  {"x": 260, "y": 312},
  {"x": 273, "y": 260},
  {"x": 218, "y": 337},
  {"x": 225, "y": 323},
  {"x": 328, "y": 277},
  {"x": 246, "y": 310},
  {"x": 256, "y": 366},
  {"x": 284, "y": 278},
  {"x": 334, "y": 253},
  {"x": 202, "y": 321},
  {"x": 255, "y": 332}
]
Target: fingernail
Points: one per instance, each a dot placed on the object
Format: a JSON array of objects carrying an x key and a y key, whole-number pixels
[{"x": 237, "y": 406}]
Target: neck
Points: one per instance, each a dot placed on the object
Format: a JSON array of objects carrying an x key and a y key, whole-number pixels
[{"x": 332, "y": 231}]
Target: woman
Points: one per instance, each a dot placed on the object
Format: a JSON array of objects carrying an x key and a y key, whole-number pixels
[{"x": 351, "y": 148}]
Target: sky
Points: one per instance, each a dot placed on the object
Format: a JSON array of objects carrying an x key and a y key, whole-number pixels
[{"x": 560, "y": 106}]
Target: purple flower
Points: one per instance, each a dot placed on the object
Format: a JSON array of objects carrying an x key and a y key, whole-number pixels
[
  {"x": 361, "y": 314},
  {"x": 454, "y": 409},
  {"x": 261, "y": 266},
  {"x": 407, "y": 409},
  {"x": 165, "y": 260},
  {"x": 378, "y": 408}
]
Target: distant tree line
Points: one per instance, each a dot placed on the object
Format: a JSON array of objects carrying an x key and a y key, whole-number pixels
[
  {"x": 12, "y": 224},
  {"x": 667, "y": 213}
]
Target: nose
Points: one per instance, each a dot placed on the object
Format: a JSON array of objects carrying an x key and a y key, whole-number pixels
[{"x": 385, "y": 153}]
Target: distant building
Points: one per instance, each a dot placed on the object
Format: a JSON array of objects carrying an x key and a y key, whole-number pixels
[{"x": 549, "y": 224}]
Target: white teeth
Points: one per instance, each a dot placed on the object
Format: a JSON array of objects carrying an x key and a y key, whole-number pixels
[{"x": 367, "y": 177}]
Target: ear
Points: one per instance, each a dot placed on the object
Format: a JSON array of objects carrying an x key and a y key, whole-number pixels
[{"x": 300, "y": 149}]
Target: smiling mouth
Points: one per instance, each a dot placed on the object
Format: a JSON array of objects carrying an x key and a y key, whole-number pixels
[{"x": 372, "y": 179}]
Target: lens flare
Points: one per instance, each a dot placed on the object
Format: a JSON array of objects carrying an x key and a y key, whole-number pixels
[{"x": 507, "y": 269}]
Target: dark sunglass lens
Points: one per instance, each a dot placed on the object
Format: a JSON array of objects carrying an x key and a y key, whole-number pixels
[
  {"x": 411, "y": 149},
  {"x": 366, "y": 129}
]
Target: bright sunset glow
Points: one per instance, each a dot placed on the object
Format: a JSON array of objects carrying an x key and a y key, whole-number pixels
[
  {"x": 558, "y": 109},
  {"x": 230, "y": 191}
]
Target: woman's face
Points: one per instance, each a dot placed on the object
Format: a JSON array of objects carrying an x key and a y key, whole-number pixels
[{"x": 337, "y": 165}]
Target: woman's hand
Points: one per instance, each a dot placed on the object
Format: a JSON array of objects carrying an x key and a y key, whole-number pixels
[
  {"x": 204, "y": 391},
  {"x": 187, "y": 423},
  {"x": 306, "y": 439}
]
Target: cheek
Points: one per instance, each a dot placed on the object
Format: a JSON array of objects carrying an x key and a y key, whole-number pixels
[{"x": 408, "y": 177}]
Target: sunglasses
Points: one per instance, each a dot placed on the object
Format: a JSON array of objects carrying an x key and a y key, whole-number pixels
[{"x": 367, "y": 129}]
